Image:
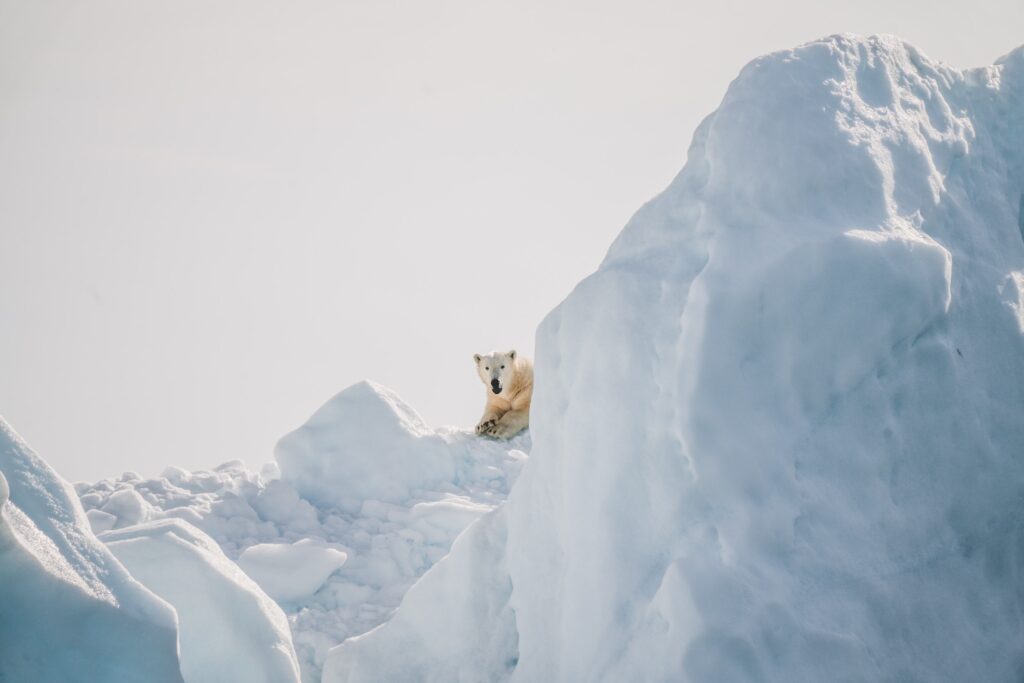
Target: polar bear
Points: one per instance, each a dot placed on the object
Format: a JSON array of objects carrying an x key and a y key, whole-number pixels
[{"x": 509, "y": 381}]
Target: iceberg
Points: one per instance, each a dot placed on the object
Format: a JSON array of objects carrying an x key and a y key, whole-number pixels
[
  {"x": 229, "y": 629},
  {"x": 778, "y": 435}
]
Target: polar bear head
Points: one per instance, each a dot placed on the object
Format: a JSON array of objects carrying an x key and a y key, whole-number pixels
[{"x": 495, "y": 369}]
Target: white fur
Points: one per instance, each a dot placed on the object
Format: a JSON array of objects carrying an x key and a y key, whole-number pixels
[{"x": 507, "y": 411}]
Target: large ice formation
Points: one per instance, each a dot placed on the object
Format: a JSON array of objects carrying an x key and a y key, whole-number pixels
[{"x": 779, "y": 434}]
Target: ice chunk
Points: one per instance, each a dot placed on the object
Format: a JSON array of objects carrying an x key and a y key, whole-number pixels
[
  {"x": 100, "y": 521},
  {"x": 127, "y": 506},
  {"x": 67, "y": 607},
  {"x": 279, "y": 503},
  {"x": 365, "y": 443},
  {"x": 229, "y": 629},
  {"x": 289, "y": 571}
]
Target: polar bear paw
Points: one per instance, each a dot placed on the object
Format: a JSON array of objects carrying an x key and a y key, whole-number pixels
[
  {"x": 500, "y": 430},
  {"x": 485, "y": 426}
]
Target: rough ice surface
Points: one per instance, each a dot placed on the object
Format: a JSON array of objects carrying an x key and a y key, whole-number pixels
[
  {"x": 430, "y": 628},
  {"x": 779, "y": 433},
  {"x": 229, "y": 630},
  {"x": 292, "y": 545},
  {"x": 68, "y": 610}
]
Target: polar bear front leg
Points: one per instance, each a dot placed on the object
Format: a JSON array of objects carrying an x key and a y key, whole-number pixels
[
  {"x": 488, "y": 421},
  {"x": 510, "y": 424}
]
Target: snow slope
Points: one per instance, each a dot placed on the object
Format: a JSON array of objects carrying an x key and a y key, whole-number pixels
[
  {"x": 779, "y": 433},
  {"x": 69, "y": 610},
  {"x": 229, "y": 629},
  {"x": 339, "y": 557}
]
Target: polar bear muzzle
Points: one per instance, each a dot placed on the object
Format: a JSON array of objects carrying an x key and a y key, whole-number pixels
[{"x": 496, "y": 386}]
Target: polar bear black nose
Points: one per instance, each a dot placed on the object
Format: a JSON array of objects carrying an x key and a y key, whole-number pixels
[{"x": 495, "y": 386}]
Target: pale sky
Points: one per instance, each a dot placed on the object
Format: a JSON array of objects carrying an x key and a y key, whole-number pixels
[{"x": 216, "y": 215}]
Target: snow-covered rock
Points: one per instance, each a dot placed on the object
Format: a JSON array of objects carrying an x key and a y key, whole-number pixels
[
  {"x": 778, "y": 433},
  {"x": 69, "y": 610},
  {"x": 229, "y": 629},
  {"x": 291, "y": 571}
]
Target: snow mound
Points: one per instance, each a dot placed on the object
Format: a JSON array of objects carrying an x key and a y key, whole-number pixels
[
  {"x": 67, "y": 606},
  {"x": 365, "y": 443},
  {"x": 290, "y": 571},
  {"x": 389, "y": 544},
  {"x": 804, "y": 462},
  {"x": 229, "y": 630}
]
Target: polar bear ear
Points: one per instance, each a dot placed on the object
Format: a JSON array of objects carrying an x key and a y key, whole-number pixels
[
  {"x": 476, "y": 357},
  {"x": 512, "y": 354}
]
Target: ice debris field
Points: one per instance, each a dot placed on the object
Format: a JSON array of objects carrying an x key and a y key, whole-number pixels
[
  {"x": 778, "y": 435},
  {"x": 389, "y": 495}
]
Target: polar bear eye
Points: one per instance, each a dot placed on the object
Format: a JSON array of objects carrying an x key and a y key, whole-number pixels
[
  {"x": 487, "y": 368},
  {"x": 502, "y": 367}
]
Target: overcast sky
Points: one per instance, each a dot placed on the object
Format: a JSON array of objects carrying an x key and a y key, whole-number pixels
[{"x": 216, "y": 215}]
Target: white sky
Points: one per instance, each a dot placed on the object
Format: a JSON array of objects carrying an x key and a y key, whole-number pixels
[{"x": 216, "y": 215}]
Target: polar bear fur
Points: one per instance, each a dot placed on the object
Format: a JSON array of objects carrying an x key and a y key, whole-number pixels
[{"x": 509, "y": 381}]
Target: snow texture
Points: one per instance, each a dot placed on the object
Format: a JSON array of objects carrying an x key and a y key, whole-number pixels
[
  {"x": 295, "y": 546},
  {"x": 229, "y": 629},
  {"x": 68, "y": 609},
  {"x": 778, "y": 433}
]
